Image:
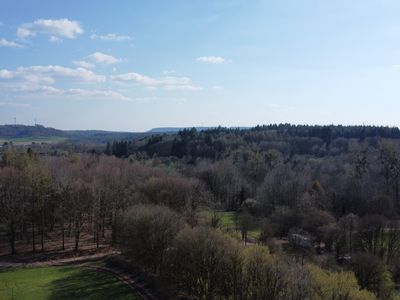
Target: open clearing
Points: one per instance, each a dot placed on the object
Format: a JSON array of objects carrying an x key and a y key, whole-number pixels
[
  {"x": 230, "y": 222},
  {"x": 62, "y": 283}
]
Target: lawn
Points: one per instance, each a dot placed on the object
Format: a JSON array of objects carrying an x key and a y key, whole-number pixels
[
  {"x": 230, "y": 222},
  {"x": 59, "y": 283}
]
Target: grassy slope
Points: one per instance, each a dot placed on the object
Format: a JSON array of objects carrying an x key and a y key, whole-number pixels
[{"x": 62, "y": 283}]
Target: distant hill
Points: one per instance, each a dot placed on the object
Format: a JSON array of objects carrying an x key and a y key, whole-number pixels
[
  {"x": 39, "y": 133},
  {"x": 177, "y": 129},
  {"x": 22, "y": 131}
]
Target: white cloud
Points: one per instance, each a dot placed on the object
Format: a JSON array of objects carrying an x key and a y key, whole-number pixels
[
  {"x": 84, "y": 64},
  {"x": 170, "y": 83},
  {"x": 9, "y": 44},
  {"x": 137, "y": 78},
  {"x": 48, "y": 74},
  {"x": 217, "y": 87},
  {"x": 106, "y": 94},
  {"x": 211, "y": 59},
  {"x": 55, "y": 27},
  {"x": 173, "y": 83},
  {"x": 64, "y": 72},
  {"x": 5, "y": 74},
  {"x": 54, "y": 39},
  {"x": 73, "y": 93},
  {"x": 38, "y": 82},
  {"x": 102, "y": 58},
  {"x": 111, "y": 37}
]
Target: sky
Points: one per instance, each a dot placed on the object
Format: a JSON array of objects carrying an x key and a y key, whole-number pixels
[{"x": 134, "y": 65}]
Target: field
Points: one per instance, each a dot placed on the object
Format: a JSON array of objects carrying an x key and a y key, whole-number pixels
[
  {"x": 62, "y": 283},
  {"x": 229, "y": 221}
]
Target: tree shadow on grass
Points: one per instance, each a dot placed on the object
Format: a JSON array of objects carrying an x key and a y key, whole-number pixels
[{"x": 89, "y": 284}]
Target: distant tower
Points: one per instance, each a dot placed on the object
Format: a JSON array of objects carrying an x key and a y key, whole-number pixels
[
  {"x": 35, "y": 121},
  {"x": 15, "y": 121}
]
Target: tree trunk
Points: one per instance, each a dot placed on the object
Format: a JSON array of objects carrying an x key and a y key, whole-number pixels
[
  {"x": 11, "y": 237},
  {"x": 98, "y": 235},
  {"x": 77, "y": 233},
  {"x": 33, "y": 237},
  {"x": 103, "y": 235},
  {"x": 114, "y": 228},
  {"x": 42, "y": 225},
  {"x": 63, "y": 236}
]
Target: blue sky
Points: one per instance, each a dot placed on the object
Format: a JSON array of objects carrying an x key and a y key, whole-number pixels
[{"x": 133, "y": 65}]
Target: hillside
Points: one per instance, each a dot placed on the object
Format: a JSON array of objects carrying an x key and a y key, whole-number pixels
[
  {"x": 23, "y": 131},
  {"x": 39, "y": 133}
]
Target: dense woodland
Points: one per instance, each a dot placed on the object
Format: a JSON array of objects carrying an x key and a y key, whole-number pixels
[{"x": 326, "y": 201}]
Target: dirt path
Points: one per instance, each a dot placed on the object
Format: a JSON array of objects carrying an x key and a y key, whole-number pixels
[{"x": 58, "y": 262}]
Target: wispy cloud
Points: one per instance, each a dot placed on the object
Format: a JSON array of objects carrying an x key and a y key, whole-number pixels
[
  {"x": 30, "y": 90},
  {"x": 101, "y": 58},
  {"x": 54, "y": 39},
  {"x": 174, "y": 83},
  {"x": 64, "y": 72},
  {"x": 168, "y": 72},
  {"x": 48, "y": 74},
  {"x": 9, "y": 44},
  {"x": 41, "y": 81},
  {"x": 84, "y": 64},
  {"x": 137, "y": 78},
  {"x": 58, "y": 28},
  {"x": 170, "y": 83},
  {"x": 73, "y": 93},
  {"x": 211, "y": 59},
  {"x": 5, "y": 74},
  {"x": 111, "y": 37},
  {"x": 87, "y": 93}
]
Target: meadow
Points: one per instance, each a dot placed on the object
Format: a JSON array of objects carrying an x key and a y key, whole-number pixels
[{"x": 51, "y": 283}]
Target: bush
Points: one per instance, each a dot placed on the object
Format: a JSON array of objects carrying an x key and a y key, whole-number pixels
[
  {"x": 372, "y": 274},
  {"x": 335, "y": 285},
  {"x": 205, "y": 263},
  {"x": 148, "y": 232}
]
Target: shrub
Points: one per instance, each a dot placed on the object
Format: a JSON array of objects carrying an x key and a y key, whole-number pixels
[{"x": 148, "y": 232}]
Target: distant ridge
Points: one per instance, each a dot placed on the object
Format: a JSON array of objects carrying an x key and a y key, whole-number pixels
[
  {"x": 176, "y": 129},
  {"x": 42, "y": 133},
  {"x": 39, "y": 133},
  {"x": 21, "y": 131}
]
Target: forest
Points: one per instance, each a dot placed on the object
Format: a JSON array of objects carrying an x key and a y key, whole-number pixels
[{"x": 278, "y": 211}]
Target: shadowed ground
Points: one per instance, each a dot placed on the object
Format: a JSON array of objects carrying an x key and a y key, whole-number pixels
[{"x": 62, "y": 283}]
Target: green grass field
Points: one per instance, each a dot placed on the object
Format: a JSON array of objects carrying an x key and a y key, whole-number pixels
[
  {"x": 230, "y": 222},
  {"x": 62, "y": 283}
]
